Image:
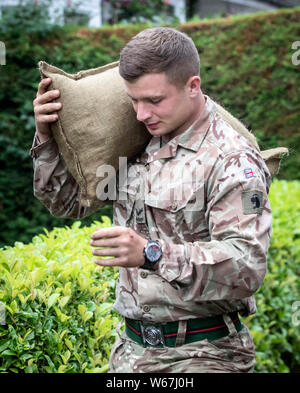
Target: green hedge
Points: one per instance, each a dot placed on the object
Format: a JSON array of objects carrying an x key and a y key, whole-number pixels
[
  {"x": 276, "y": 327},
  {"x": 58, "y": 302}
]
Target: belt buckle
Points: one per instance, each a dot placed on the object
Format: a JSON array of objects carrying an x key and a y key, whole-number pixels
[{"x": 152, "y": 335}]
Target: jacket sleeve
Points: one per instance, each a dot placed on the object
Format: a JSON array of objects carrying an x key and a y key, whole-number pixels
[
  {"x": 232, "y": 265},
  {"x": 53, "y": 184}
]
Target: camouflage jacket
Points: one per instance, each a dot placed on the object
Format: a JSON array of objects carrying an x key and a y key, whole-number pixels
[{"x": 203, "y": 196}]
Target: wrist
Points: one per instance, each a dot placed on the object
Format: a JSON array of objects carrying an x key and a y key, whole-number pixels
[{"x": 42, "y": 137}]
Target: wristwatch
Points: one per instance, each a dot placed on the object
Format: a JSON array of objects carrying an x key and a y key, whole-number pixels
[{"x": 152, "y": 254}]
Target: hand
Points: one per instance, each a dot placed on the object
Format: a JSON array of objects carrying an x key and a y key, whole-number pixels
[
  {"x": 122, "y": 243},
  {"x": 45, "y": 111}
]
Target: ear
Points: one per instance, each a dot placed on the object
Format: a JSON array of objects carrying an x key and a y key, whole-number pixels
[{"x": 193, "y": 85}]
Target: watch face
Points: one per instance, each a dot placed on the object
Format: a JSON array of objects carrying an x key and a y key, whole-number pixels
[{"x": 153, "y": 253}]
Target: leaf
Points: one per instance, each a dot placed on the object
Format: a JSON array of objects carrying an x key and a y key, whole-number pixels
[
  {"x": 52, "y": 299},
  {"x": 62, "y": 368},
  {"x": 30, "y": 361},
  {"x": 21, "y": 297},
  {"x": 68, "y": 343},
  {"x": 67, "y": 289},
  {"x": 51, "y": 364},
  {"x": 88, "y": 315},
  {"x": 63, "y": 301},
  {"x": 27, "y": 356},
  {"x": 62, "y": 333},
  {"x": 104, "y": 308},
  {"x": 81, "y": 309},
  {"x": 8, "y": 352},
  {"x": 78, "y": 357},
  {"x": 4, "y": 346},
  {"x": 14, "y": 307},
  {"x": 62, "y": 317},
  {"x": 66, "y": 356}
]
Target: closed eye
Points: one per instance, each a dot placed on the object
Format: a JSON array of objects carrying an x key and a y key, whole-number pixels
[{"x": 155, "y": 101}]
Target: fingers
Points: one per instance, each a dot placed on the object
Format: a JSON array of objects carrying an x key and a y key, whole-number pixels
[
  {"x": 43, "y": 96},
  {"x": 47, "y": 118},
  {"x": 109, "y": 242},
  {"x": 46, "y": 97},
  {"x": 49, "y": 108},
  {"x": 43, "y": 85},
  {"x": 44, "y": 109},
  {"x": 47, "y": 113},
  {"x": 107, "y": 252},
  {"x": 109, "y": 262},
  {"x": 109, "y": 232}
]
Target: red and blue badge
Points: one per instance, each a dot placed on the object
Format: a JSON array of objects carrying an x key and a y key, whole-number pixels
[{"x": 249, "y": 173}]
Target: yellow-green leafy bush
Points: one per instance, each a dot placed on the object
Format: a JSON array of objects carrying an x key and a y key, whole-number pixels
[
  {"x": 276, "y": 326},
  {"x": 58, "y": 302}
]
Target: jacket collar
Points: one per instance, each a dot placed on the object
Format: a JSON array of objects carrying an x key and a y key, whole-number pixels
[{"x": 191, "y": 139}]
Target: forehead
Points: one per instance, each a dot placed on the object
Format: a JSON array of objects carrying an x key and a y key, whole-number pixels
[{"x": 149, "y": 85}]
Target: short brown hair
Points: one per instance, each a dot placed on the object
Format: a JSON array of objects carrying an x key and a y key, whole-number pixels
[{"x": 160, "y": 49}]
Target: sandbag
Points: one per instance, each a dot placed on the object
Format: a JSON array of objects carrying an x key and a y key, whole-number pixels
[
  {"x": 97, "y": 125},
  {"x": 272, "y": 157}
]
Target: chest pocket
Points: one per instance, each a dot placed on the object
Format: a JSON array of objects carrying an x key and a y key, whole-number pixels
[{"x": 178, "y": 207}]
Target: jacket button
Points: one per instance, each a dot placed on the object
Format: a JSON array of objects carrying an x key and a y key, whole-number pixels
[
  {"x": 144, "y": 274},
  {"x": 174, "y": 206},
  {"x": 146, "y": 308}
]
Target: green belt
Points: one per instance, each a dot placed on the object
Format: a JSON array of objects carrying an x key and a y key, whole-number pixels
[{"x": 211, "y": 328}]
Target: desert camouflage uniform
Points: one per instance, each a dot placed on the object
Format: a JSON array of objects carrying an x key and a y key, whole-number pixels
[{"x": 203, "y": 195}]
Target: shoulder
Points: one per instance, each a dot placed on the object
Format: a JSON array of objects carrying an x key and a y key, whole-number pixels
[
  {"x": 232, "y": 155},
  {"x": 224, "y": 139}
]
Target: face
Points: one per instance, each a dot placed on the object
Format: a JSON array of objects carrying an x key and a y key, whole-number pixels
[{"x": 164, "y": 108}]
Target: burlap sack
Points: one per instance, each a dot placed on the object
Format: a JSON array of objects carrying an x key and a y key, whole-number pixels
[
  {"x": 97, "y": 125},
  {"x": 271, "y": 157}
]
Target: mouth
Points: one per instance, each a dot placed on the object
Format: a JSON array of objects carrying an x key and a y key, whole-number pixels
[{"x": 152, "y": 126}]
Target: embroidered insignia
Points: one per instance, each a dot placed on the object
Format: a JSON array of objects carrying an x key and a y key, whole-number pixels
[
  {"x": 140, "y": 211},
  {"x": 249, "y": 173},
  {"x": 252, "y": 202}
]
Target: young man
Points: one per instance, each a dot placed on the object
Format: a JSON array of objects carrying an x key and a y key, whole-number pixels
[{"x": 191, "y": 238}]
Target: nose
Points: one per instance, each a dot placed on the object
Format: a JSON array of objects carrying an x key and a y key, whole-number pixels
[{"x": 142, "y": 112}]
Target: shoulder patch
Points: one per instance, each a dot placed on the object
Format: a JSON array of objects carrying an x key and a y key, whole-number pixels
[
  {"x": 249, "y": 173},
  {"x": 252, "y": 202}
]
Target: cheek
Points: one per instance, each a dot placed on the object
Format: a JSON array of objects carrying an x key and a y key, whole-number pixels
[
  {"x": 167, "y": 111},
  {"x": 175, "y": 114}
]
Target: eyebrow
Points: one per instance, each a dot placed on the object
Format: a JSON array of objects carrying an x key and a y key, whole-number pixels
[{"x": 147, "y": 98}]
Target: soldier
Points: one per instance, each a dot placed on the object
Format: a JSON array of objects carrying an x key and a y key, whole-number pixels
[{"x": 192, "y": 236}]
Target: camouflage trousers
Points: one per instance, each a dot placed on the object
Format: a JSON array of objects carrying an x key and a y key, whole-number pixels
[{"x": 232, "y": 354}]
